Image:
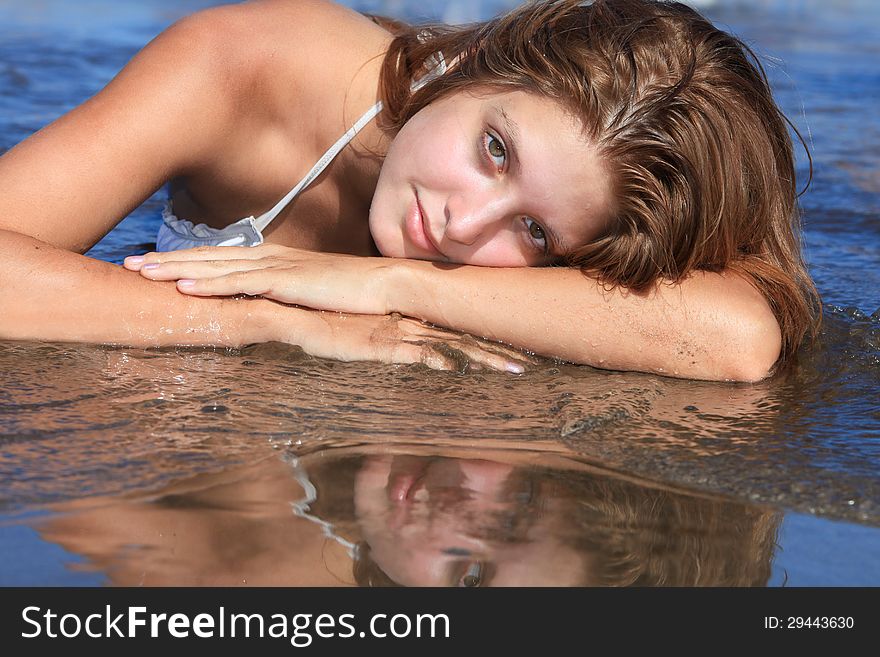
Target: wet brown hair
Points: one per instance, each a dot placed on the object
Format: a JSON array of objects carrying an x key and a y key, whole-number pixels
[{"x": 699, "y": 154}]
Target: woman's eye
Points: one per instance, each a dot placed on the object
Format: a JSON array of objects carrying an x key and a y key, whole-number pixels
[
  {"x": 473, "y": 576},
  {"x": 495, "y": 149},
  {"x": 536, "y": 232}
]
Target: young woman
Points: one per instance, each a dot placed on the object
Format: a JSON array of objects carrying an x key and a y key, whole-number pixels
[{"x": 628, "y": 139}]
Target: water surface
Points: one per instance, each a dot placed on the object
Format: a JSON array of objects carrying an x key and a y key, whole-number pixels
[{"x": 107, "y": 454}]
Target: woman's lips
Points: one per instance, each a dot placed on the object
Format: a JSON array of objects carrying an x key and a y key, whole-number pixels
[{"x": 417, "y": 228}]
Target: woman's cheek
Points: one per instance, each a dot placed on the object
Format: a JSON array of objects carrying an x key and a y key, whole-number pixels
[
  {"x": 500, "y": 253},
  {"x": 385, "y": 228}
]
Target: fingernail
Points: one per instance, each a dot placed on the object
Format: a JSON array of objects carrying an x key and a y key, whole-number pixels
[
  {"x": 516, "y": 369},
  {"x": 152, "y": 265},
  {"x": 185, "y": 282},
  {"x": 134, "y": 260}
]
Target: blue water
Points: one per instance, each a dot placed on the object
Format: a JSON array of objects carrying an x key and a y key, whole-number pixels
[{"x": 80, "y": 422}]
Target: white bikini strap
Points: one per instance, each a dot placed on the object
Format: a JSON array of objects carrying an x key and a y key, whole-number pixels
[
  {"x": 302, "y": 508},
  {"x": 266, "y": 218}
]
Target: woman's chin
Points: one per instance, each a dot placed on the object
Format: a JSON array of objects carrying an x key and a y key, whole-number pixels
[{"x": 386, "y": 248}]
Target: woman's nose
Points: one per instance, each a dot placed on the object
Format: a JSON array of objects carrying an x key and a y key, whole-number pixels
[{"x": 469, "y": 218}]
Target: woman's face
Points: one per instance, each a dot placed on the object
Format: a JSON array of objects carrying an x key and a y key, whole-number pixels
[
  {"x": 438, "y": 521},
  {"x": 493, "y": 179}
]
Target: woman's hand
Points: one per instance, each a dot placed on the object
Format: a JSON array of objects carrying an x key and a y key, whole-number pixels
[
  {"x": 714, "y": 326},
  {"x": 322, "y": 281},
  {"x": 394, "y": 339},
  {"x": 326, "y": 282}
]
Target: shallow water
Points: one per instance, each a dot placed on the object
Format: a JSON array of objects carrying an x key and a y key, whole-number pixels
[{"x": 128, "y": 446}]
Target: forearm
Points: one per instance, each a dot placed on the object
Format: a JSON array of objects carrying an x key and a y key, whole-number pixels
[
  {"x": 52, "y": 294},
  {"x": 711, "y": 326}
]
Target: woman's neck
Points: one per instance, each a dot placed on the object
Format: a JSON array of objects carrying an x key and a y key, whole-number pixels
[{"x": 357, "y": 170}]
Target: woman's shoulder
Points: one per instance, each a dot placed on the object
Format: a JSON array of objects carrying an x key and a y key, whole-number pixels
[
  {"x": 281, "y": 28},
  {"x": 277, "y": 81},
  {"x": 286, "y": 54}
]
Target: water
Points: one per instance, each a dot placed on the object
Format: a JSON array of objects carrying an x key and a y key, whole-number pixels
[{"x": 184, "y": 466}]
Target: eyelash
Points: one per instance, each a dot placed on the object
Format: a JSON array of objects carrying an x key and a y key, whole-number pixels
[{"x": 488, "y": 137}]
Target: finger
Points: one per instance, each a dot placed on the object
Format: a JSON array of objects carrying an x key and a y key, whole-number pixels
[
  {"x": 198, "y": 269},
  {"x": 500, "y": 362},
  {"x": 500, "y": 348},
  {"x": 436, "y": 361},
  {"x": 442, "y": 356},
  {"x": 252, "y": 283},
  {"x": 415, "y": 330},
  {"x": 467, "y": 357},
  {"x": 407, "y": 353},
  {"x": 135, "y": 263},
  {"x": 419, "y": 330},
  {"x": 512, "y": 359}
]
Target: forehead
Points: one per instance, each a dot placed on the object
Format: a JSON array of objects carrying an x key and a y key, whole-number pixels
[{"x": 558, "y": 170}]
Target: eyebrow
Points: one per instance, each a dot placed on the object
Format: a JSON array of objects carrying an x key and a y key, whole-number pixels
[{"x": 514, "y": 137}]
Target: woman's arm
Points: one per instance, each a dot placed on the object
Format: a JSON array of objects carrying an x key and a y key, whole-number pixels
[
  {"x": 66, "y": 186},
  {"x": 55, "y": 295},
  {"x": 41, "y": 296},
  {"x": 710, "y": 326}
]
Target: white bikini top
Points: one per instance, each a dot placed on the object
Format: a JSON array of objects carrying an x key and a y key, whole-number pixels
[{"x": 175, "y": 234}]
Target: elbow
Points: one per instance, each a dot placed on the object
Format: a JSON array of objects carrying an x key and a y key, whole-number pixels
[{"x": 755, "y": 347}]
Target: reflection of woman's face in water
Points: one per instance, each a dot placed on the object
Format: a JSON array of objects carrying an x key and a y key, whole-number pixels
[
  {"x": 441, "y": 522},
  {"x": 421, "y": 520}
]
